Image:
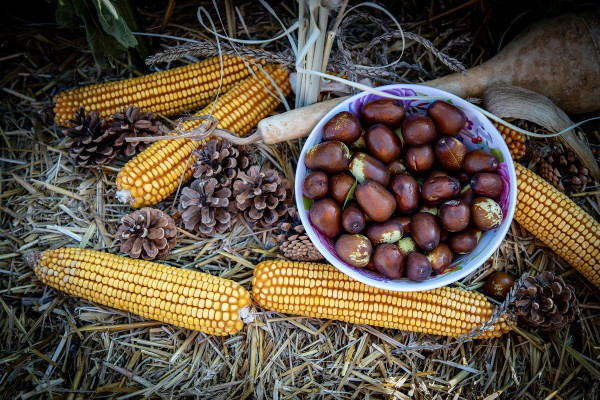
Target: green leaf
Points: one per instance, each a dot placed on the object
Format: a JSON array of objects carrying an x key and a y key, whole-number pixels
[
  {"x": 350, "y": 194},
  {"x": 106, "y": 31},
  {"x": 306, "y": 202},
  {"x": 498, "y": 155},
  {"x": 113, "y": 23}
]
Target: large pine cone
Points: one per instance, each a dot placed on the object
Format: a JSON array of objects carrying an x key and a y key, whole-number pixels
[
  {"x": 294, "y": 243},
  {"x": 90, "y": 144},
  {"x": 204, "y": 209},
  {"x": 564, "y": 171},
  {"x": 132, "y": 123},
  {"x": 221, "y": 160},
  {"x": 546, "y": 302},
  {"x": 147, "y": 233},
  {"x": 261, "y": 195}
]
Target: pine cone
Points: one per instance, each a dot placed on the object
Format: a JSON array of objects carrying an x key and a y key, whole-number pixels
[
  {"x": 294, "y": 244},
  {"x": 221, "y": 160},
  {"x": 132, "y": 123},
  {"x": 261, "y": 195},
  {"x": 90, "y": 144},
  {"x": 147, "y": 233},
  {"x": 204, "y": 209},
  {"x": 564, "y": 171},
  {"x": 546, "y": 302}
]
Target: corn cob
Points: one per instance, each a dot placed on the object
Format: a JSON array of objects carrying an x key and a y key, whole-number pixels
[
  {"x": 514, "y": 140},
  {"x": 559, "y": 223},
  {"x": 322, "y": 291},
  {"x": 181, "y": 297},
  {"x": 155, "y": 173},
  {"x": 168, "y": 93}
]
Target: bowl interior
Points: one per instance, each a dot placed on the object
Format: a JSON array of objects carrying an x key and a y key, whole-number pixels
[{"x": 478, "y": 133}]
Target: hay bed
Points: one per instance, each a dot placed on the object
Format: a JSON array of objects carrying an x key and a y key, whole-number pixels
[{"x": 57, "y": 346}]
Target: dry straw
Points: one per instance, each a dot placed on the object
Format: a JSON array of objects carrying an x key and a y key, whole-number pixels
[{"x": 56, "y": 346}]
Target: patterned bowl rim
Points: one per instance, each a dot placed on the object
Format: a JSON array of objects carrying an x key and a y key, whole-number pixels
[{"x": 404, "y": 284}]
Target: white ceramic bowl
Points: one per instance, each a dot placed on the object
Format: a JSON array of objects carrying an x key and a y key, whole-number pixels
[{"x": 478, "y": 133}]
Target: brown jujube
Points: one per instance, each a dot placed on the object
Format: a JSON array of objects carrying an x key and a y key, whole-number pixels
[
  {"x": 315, "y": 185},
  {"x": 363, "y": 166},
  {"x": 406, "y": 193},
  {"x": 340, "y": 185},
  {"x": 479, "y": 161},
  {"x": 375, "y": 200},
  {"x": 454, "y": 215},
  {"x": 418, "y": 129},
  {"x": 330, "y": 156},
  {"x": 436, "y": 190},
  {"x": 383, "y": 143},
  {"x": 388, "y": 260},
  {"x": 448, "y": 119},
  {"x": 425, "y": 230},
  {"x": 487, "y": 185},
  {"x": 343, "y": 126},
  {"x": 353, "y": 218},
  {"x": 450, "y": 153},
  {"x": 419, "y": 159},
  {"x": 384, "y": 232},
  {"x": 326, "y": 216},
  {"x": 384, "y": 111}
]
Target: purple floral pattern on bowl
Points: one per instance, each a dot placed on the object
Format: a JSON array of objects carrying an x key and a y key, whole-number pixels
[{"x": 477, "y": 133}]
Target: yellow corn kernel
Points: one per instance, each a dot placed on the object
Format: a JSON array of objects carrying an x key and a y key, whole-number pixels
[
  {"x": 170, "y": 92},
  {"x": 147, "y": 289},
  {"x": 514, "y": 140},
  {"x": 559, "y": 223},
  {"x": 165, "y": 161},
  {"x": 322, "y": 291}
]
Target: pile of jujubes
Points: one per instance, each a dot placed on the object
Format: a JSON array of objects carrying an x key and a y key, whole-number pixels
[{"x": 400, "y": 194}]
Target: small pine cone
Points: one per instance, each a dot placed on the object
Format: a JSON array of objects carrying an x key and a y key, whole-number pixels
[
  {"x": 294, "y": 244},
  {"x": 90, "y": 144},
  {"x": 564, "y": 171},
  {"x": 546, "y": 302},
  {"x": 221, "y": 160},
  {"x": 204, "y": 209},
  {"x": 147, "y": 233},
  {"x": 133, "y": 123},
  {"x": 262, "y": 195}
]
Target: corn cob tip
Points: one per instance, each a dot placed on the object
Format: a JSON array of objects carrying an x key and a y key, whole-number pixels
[
  {"x": 32, "y": 258},
  {"x": 124, "y": 196}
]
